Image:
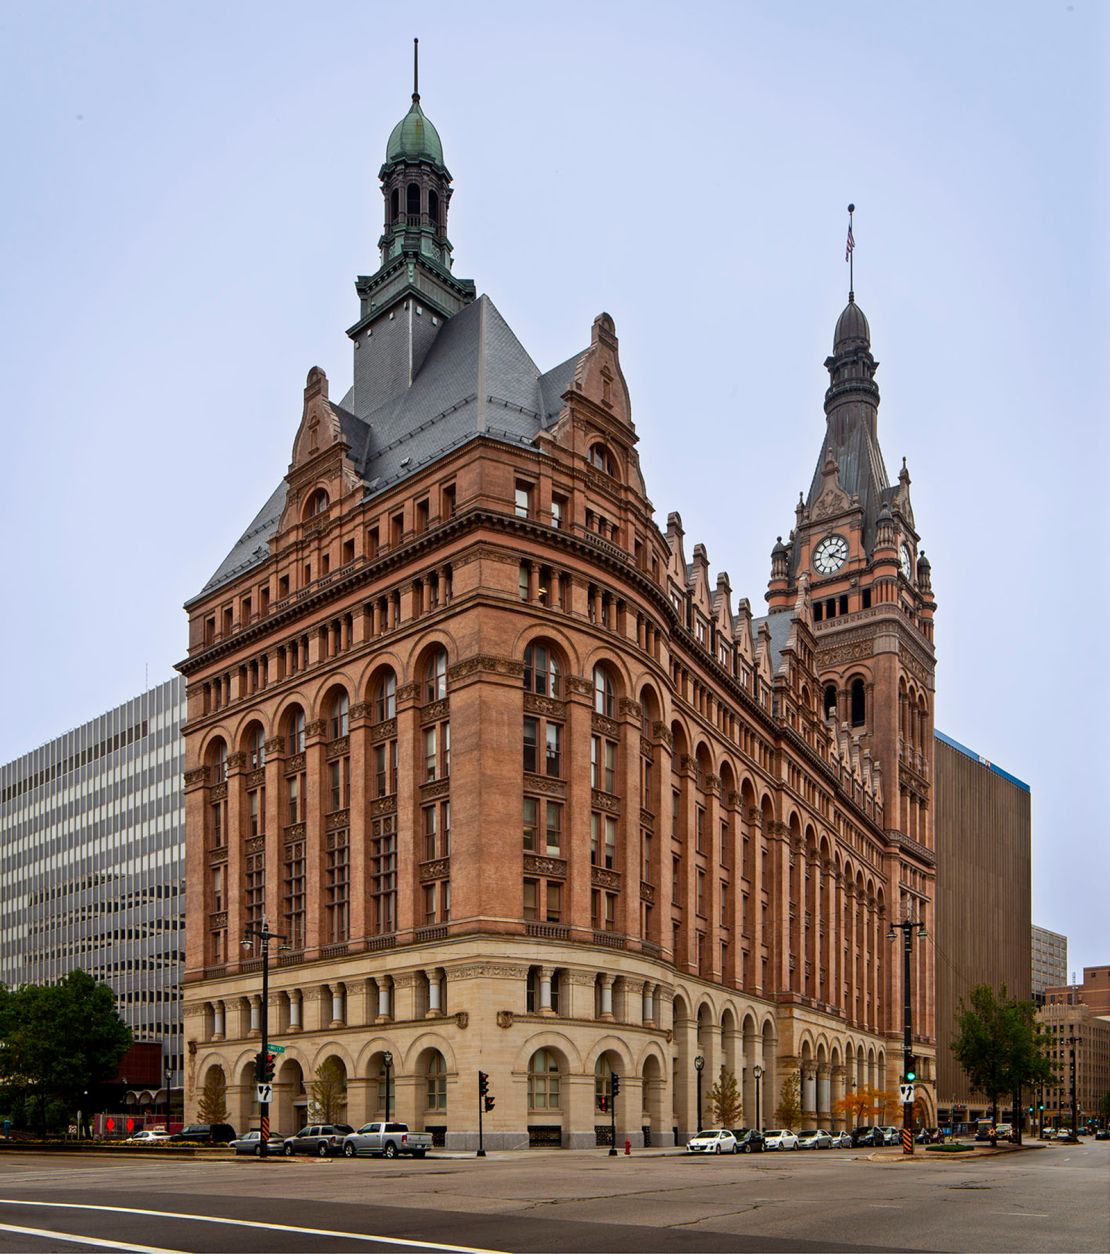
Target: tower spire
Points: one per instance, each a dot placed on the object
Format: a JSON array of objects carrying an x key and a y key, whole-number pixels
[
  {"x": 849, "y": 249},
  {"x": 416, "y": 69}
]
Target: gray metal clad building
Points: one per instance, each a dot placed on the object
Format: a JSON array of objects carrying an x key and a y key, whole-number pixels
[{"x": 92, "y": 860}]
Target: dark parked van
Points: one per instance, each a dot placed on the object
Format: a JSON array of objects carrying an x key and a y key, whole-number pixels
[{"x": 206, "y": 1133}]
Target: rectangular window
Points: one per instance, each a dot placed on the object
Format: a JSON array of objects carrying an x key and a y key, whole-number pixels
[
  {"x": 554, "y": 749},
  {"x": 217, "y": 888},
  {"x": 373, "y": 541},
  {"x": 430, "y": 831},
  {"x": 701, "y": 893},
  {"x": 422, "y": 514},
  {"x": 554, "y": 901},
  {"x": 558, "y": 512},
  {"x": 610, "y": 841},
  {"x": 293, "y": 894},
  {"x": 522, "y": 499},
  {"x": 531, "y": 744},
  {"x": 445, "y": 831},
  {"x": 675, "y": 806},
  {"x": 724, "y": 903},
  {"x": 385, "y": 769},
  {"x": 448, "y": 501},
  {"x": 531, "y": 898},
  {"x": 430, "y": 903},
  {"x": 336, "y": 888},
  {"x": 430, "y": 752},
  {"x": 383, "y": 874},
  {"x": 522, "y": 580},
  {"x": 531, "y": 820},
  {"x": 446, "y": 748},
  {"x": 699, "y": 829},
  {"x": 293, "y": 798},
  {"x": 217, "y": 812},
  {"x": 254, "y": 804},
  {"x": 396, "y": 528},
  {"x": 255, "y": 889},
  {"x": 674, "y": 881},
  {"x": 554, "y": 828},
  {"x": 646, "y": 870}
]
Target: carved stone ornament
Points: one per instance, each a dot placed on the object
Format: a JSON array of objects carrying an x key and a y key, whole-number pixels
[
  {"x": 555, "y": 868},
  {"x": 605, "y": 726},
  {"x": 217, "y": 856},
  {"x": 579, "y": 687},
  {"x": 541, "y": 783},
  {"x": 662, "y": 732},
  {"x": 256, "y": 778},
  {"x": 647, "y": 892},
  {"x": 548, "y": 707},
  {"x": 488, "y": 663},
  {"x": 437, "y": 788},
  {"x": 407, "y": 693},
  {"x": 669, "y": 1035},
  {"x": 437, "y": 869},
  {"x": 833, "y": 500},
  {"x": 294, "y": 764},
  {"x": 219, "y": 919},
  {"x": 195, "y": 777},
  {"x": 383, "y": 806},
  {"x": 218, "y": 793},
  {"x": 713, "y": 784},
  {"x": 602, "y": 878},
  {"x": 488, "y": 970},
  {"x": 505, "y": 1018},
  {"x": 842, "y": 654},
  {"x": 338, "y": 747},
  {"x": 295, "y": 831},
  {"x": 384, "y": 731},
  {"x": 462, "y": 1019},
  {"x": 605, "y": 801},
  {"x": 435, "y": 711},
  {"x": 361, "y": 711},
  {"x": 631, "y": 709},
  {"x": 316, "y": 728},
  {"x": 255, "y": 844},
  {"x": 339, "y": 820},
  {"x": 236, "y": 761}
]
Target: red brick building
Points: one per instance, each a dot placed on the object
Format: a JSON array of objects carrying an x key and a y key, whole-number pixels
[{"x": 523, "y": 786}]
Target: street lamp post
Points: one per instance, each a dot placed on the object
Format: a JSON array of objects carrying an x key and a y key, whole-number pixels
[
  {"x": 387, "y": 1063},
  {"x": 169, "y": 1081},
  {"x": 1073, "y": 1040},
  {"x": 757, "y": 1071},
  {"x": 699, "y": 1065},
  {"x": 263, "y": 936},
  {"x": 907, "y": 927}
]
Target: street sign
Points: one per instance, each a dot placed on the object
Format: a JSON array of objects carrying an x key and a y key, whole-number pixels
[
  {"x": 265, "y": 1092},
  {"x": 275, "y": 1049},
  {"x": 905, "y": 1093}
]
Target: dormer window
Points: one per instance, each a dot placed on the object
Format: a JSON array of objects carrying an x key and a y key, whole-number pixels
[
  {"x": 318, "y": 502},
  {"x": 601, "y": 459}
]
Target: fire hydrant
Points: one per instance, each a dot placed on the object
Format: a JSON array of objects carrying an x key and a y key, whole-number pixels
[{"x": 627, "y": 1146}]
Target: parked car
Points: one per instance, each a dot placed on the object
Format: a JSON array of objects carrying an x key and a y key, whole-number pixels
[
  {"x": 251, "y": 1143},
  {"x": 206, "y": 1133},
  {"x": 868, "y": 1135},
  {"x": 891, "y": 1134},
  {"x": 780, "y": 1139},
  {"x": 928, "y": 1136},
  {"x": 712, "y": 1141},
  {"x": 814, "y": 1138},
  {"x": 1004, "y": 1132},
  {"x": 386, "y": 1139},
  {"x": 1103, "y": 1134},
  {"x": 1066, "y": 1137},
  {"x": 149, "y": 1136},
  {"x": 317, "y": 1138},
  {"x": 841, "y": 1140},
  {"x": 748, "y": 1140}
]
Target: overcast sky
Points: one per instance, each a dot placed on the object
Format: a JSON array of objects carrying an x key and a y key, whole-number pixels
[{"x": 192, "y": 189}]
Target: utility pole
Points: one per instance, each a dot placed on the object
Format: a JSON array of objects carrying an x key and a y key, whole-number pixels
[
  {"x": 699, "y": 1063},
  {"x": 909, "y": 1068},
  {"x": 1073, "y": 1041},
  {"x": 263, "y": 936}
]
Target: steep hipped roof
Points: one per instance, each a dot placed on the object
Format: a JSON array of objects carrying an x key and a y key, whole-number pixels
[{"x": 476, "y": 379}]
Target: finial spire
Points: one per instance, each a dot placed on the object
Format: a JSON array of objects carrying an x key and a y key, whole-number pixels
[
  {"x": 416, "y": 69},
  {"x": 850, "y": 248}
]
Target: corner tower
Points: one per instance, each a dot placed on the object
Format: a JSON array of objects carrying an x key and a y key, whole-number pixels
[{"x": 413, "y": 292}]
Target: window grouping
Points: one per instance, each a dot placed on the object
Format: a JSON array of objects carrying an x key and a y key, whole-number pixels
[
  {"x": 383, "y": 788},
  {"x": 604, "y": 821},
  {"x": 435, "y": 811},
  {"x": 542, "y": 810}
]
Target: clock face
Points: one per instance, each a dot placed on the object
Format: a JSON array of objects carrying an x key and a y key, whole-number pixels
[
  {"x": 830, "y": 554},
  {"x": 907, "y": 562}
]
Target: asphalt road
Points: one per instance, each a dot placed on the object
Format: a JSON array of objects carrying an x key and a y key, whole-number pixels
[{"x": 1046, "y": 1199}]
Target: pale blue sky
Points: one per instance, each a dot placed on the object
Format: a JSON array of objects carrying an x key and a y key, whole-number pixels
[{"x": 192, "y": 188}]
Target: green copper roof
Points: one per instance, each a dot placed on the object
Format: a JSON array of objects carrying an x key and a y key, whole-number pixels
[{"x": 414, "y": 136}]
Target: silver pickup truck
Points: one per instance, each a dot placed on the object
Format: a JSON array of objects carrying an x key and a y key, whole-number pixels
[{"x": 386, "y": 1139}]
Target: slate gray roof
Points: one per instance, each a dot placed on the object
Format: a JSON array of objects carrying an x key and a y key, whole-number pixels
[
  {"x": 476, "y": 379},
  {"x": 779, "y": 626}
]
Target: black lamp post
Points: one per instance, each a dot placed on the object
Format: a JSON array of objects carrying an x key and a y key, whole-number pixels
[
  {"x": 1073, "y": 1040},
  {"x": 907, "y": 927},
  {"x": 263, "y": 936},
  {"x": 757, "y": 1071},
  {"x": 169, "y": 1081},
  {"x": 387, "y": 1062},
  {"x": 699, "y": 1065}
]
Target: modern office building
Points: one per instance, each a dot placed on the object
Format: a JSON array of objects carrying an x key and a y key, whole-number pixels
[
  {"x": 984, "y": 926},
  {"x": 1050, "y": 962},
  {"x": 523, "y": 787},
  {"x": 92, "y": 849}
]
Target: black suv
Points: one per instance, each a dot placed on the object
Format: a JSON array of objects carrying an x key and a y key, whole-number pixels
[
  {"x": 206, "y": 1133},
  {"x": 748, "y": 1140},
  {"x": 869, "y": 1135}
]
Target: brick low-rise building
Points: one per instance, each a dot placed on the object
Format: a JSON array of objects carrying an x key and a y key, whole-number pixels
[{"x": 524, "y": 788}]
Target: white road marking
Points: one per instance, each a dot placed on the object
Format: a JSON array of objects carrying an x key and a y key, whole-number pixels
[
  {"x": 245, "y": 1223},
  {"x": 1024, "y": 1214},
  {"x": 77, "y": 1240}
]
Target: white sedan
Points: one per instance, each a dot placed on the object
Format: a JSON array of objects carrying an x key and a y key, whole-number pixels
[
  {"x": 780, "y": 1139},
  {"x": 712, "y": 1141},
  {"x": 814, "y": 1138},
  {"x": 148, "y": 1136}
]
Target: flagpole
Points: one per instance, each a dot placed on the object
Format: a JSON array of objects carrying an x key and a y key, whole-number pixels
[{"x": 851, "y": 259}]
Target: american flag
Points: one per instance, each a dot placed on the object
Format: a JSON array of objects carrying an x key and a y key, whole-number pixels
[{"x": 851, "y": 243}]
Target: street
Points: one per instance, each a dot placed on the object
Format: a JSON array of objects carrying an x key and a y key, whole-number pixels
[{"x": 1050, "y": 1198}]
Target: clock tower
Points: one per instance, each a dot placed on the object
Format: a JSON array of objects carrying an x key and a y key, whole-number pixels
[{"x": 856, "y": 543}]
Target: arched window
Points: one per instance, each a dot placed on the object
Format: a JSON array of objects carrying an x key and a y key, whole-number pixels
[
  {"x": 394, "y": 205},
  {"x": 436, "y": 1078},
  {"x": 317, "y": 503},
  {"x": 339, "y": 717},
  {"x": 601, "y": 459},
  {"x": 217, "y": 760},
  {"x": 859, "y": 703},
  {"x": 295, "y": 730},
  {"x": 604, "y": 693},
  {"x": 433, "y": 208},
  {"x": 435, "y": 676},
  {"x": 257, "y": 745},
  {"x": 830, "y": 700},
  {"x": 412, "y": 196},
  {"x": 543, "y": 1080},
  {"x": 385, "y": 696},
  {"x": 541, "y": 671}
]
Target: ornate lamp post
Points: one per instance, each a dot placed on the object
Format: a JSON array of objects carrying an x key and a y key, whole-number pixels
[
  {"x": 263, "y": 936},
  {"x": 699, "y": 1064},
  {"x": 757, "y": 1071},
  {"x": 387, "y": 1063}
]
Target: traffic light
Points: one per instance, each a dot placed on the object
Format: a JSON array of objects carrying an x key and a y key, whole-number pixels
[
  {"x": 489, "y": 1103},
  {"x": 911, "y": 1070},
  {"x": 616, "y": 1083},
  {"x": 264, "y": 1066},
  {"x": 1042, "y": 1105},
  {"x": 483, "y": 1084},
  {"x": 603, "y": 1103}
]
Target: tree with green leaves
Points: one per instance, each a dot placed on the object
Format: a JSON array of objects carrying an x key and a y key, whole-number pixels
[
  {"x": 789, "y": 1110},
  {"x": 329, "y": 1092},
  {"x": 212, "y": 1106},
  {"x": 725, "y": 1105},
  {"x": 57, "y": 1041},
  {"x": 1000, "y": 1047}
]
